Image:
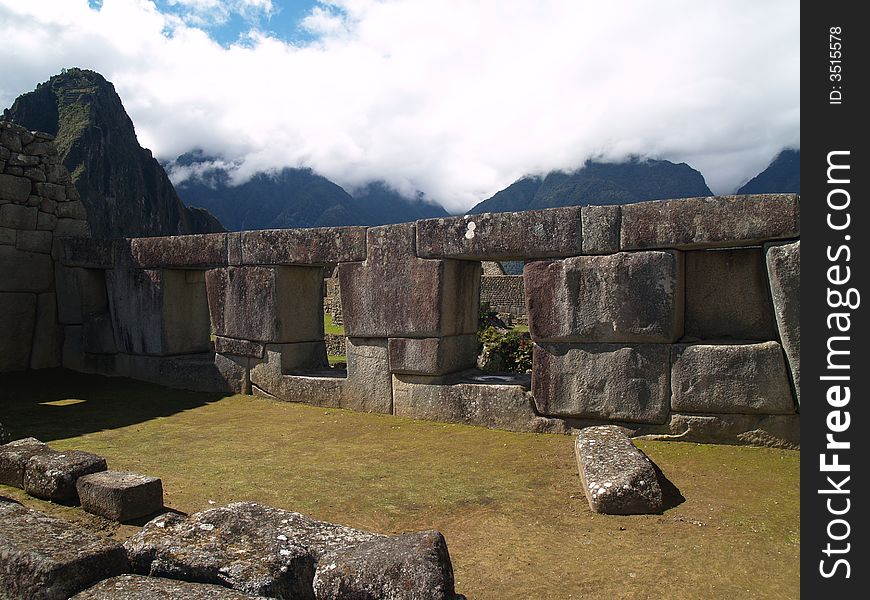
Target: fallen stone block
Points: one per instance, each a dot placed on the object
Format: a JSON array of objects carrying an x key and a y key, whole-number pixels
[
  {"x": 53, "y": 475},
  {"x": 433, "y": 356},
  {"x": 411, "y": 566},
  {"x": 618, "y": 479},
  {"x": 784, "y": 274},
  {"x": 309, "y": 246},
  {"x": 744, "y": 378},
  {"x": 13, "y": 459},
  {"x": 43, "y": 558},
  {"x": 245, "y": 546},
  {"x": 120, "y": 496},
  {"x": 617, "y": 298},
  {"x": 716, "y": 221},
  {"x": 138, "y": 587}
]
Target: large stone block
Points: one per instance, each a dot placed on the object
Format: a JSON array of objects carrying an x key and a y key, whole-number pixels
[
  {"x": 138, "y": 587},
  {"x": 395, "y": 294},
  {"x": 776, "y": 431},
  {"x": 497, "y": 402},
  {"x": 120, "y": 496},
  {"x": 205, "y": 372},
  {"x": 315, "y": 246},
  {"x": 25, "y": 271},
  {"x": 47, "y": 335},
  {"x": 180, "y": 251},
  {"x": 749, "y": 379},
  {"x": 548, "y": 233},
  {"x": 369, "y": 386},
  {"x": 620, "y": 298},
  {"x": 71, "y": 228},
  {"x": 717, "y": 221},
  {"x": 17, "y": 316},
  {"x": 13, "y": 459},
  {"x": 618, "y": 479},
  {"x": 244, "y": 546},
  {"x": 320, "y": 387},
  {"x": 89, "y": 253},
  {"x": 97, "y": 334},
  {"x": 433, "y": 356},
  {"x": 14, "y": 189},
  {"x": 43, "y": 558},
  {"x": 784, "y": 274},
  {"x": 73, "y": 353},
  {"x": 34, "y": 241},
  {"x": 53, "y": 475},
  {"x": 601, "y": 229},
  {"x": 80, "y": 293},
  {"x": 267, "y": 304},
  {"x": 238, "y": 347},
  {"x": 159, "y": 312},
  {"x": 726, "y": 296},
  {"x": 602, "y": 381}
]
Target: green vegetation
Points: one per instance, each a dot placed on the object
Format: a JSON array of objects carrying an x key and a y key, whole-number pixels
[
  {"x": 336, "y": 358},
  {"x": 514, "y": 348},
  {"x": 510, "y": 505},
  {"x": 329, "y": 328}
]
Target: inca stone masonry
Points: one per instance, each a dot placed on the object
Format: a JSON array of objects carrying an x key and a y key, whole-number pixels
[{"x": 676, "y": 318}]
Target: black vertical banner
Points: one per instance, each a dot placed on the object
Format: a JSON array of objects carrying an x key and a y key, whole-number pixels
[{"x": 835, "y": 300}]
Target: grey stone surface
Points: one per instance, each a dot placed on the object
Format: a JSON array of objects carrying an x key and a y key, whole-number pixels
[
  {"x": 784, "y": 274},
  {"x": 727, "y": 296},
  {"x": 413, "y": 566},
  {"x": 34, "y": 241},
  {"x": 234, "y": 371},
  {"x": 138, "y": 587},
  {"x": 13, "y": 459},
  {"x": 368, "y": 387},
  {"x": 80, "y": 293},
  {"x": 88, "y": 253},
  {"x": 320, "y": 388},
  {"x": 600, "y": 229},
  {"x": 245, "y": 546},
  {"x": 239, "y": 347},
  {"x": 382, "y": 296},
  {"x": 159, "y": 311},
  {"x": 722, "y": 221},
  {"x": 203, "y": 372},
  {"x": 71, "y": 228},
  {"x": 315, "y": 246},
  {"x": 267, "y": 304},
  {"x": 433, "y": 356},
  {"x": 180, "y": 251},
  {"x": 44, "y": 558},
  {"x": 619, "y": 298},
  {"x": 45, "y": 221},
  {"x": 71, "y": 210},
  {"x": 72, "y": 351},
  {"x": 8, "y": 236},
  {"x": 490, "y": 401},
  {"x": 51, "y": 190},
  {"x": 97, "y": 335},
  {"x": 618, "y": 479},
  {"x": 24, "y": 271},
  {"x": 602, "y": 381},
  {"x": 120, "y": 496},
  {"x": 777, "y": 431},
  {"x": 47, "y": 334},
  {"x": 740, "y": 378},
  {"x": 17, "y": 317},
  {"x": 14, "y": 189},
  {"x": 53, "y": 475},
  {"x": 554, "y": 232}
]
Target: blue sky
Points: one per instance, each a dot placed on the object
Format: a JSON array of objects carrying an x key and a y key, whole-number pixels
[{"x": 455, "y": 98}]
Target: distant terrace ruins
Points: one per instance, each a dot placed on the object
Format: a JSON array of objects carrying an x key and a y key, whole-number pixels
[{"x": 676, "y": 318}]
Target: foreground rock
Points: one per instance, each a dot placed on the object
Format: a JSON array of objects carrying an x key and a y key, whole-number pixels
[
  {"x": 14, "y": 457},
  {"x": 137, "y": 587},
  {"x": 53, "y": 475},
  {"x": 618, "y": 479},
  {"x": 120, "y": 496},
  {"x": 43, "y": 558}
]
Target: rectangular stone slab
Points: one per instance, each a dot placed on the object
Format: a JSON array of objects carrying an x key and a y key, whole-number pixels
[
  {"x": 601, "y": 229},
  {"x": 739, "y": 378},
  {"x": 433, "y": 356},
  {"x": 548, "y": 233},
  {"x": 784, "y": 274},
  {"x": 310, "y": 246},
  {"x": 717, "y": 221},
  {"x": 602, "y": 381},
  {"x": 120, "y": 496},
  {"x": 53, "y": 475},
  {"x": 180, "y": 251},
  {"x": 617, "y": 298},
  {"x": 44, "y": 558}
]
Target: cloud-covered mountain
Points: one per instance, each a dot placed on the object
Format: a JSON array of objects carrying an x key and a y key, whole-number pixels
[{"x": 783, "y": 175}]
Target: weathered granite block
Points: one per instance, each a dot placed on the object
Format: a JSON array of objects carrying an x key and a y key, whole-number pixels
[
  {"x": 8, "y": 236},
  {"x": 620, "y": 298},
  {"x": 244, "y": 546},
  {"x": 747, "y": 379},
  {"x": 267, "y": 304},
  {"x": 369, "y": 385},
  {"x": 716, "y": 221},
  {"x": 17, "y": 316},
  {"x": 159, "y": 312},
  {"x": 319, "y": 385},
  {"x": 71, "y": 228},
  {"x": 47, "y": 334},
  {"x": 411, "y": 566},
  {"x": 497, "y": 402},
  {"x": 600, "y": 229},
  {"x": 71, "y": 210},
  {"x": 315, "y": 246},
  {"x": 238, "y": 347},
  {"x": 51, "y": 190},
  {"x": 602, "y": 381},
  {"x": 120, "y": 496},
  {"x": 726, "y": 295},
  {"x": 87, "y": 252},
  {"x": 235, "y": 372},
  {"x": 382, "y": 296},
  {"x": 53, "y": 475},
  {"x": 97, "y": 335},
  {"x": 34, "y": 241},
  {"x": 784, "y": 274},
  {"x": 138, "y": 587},
  {"x": 181, "y": 251},
  {"x": 433, "y": 356},
  {"x": 548, "y": 233},
  {"x": 776, "y": 431},
  {"x": 24, "y": 271},
  {"x": 80, "y": 293},
  {"x": 14, "y": 189},
  {"x": 43, "y": 558},
  {"x": 13, "y": 459},
  {"x": 618, "y": 479}
]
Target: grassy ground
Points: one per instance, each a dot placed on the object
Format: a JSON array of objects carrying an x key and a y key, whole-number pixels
[
  {"x": 510, "y": 505},
  {"x": 329, "y": 327}
]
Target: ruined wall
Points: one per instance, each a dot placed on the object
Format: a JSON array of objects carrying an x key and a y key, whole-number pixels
[
  {"x": 504, "y": 294},
  {"x": 673, "y": 318},
  {"x": 38, "y": 205}
]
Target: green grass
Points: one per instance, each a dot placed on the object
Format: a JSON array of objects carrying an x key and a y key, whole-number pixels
[
  {"x": 336, "y": 358},
  {"x": 329, "y": 327},
  {"x": 510, "y": 505},
  {"x": 521, "y": 328}
]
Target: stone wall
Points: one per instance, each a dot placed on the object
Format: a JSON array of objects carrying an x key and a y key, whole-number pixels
[
  {"x": 38, "y": 205},
  {"x": 504, "y": 294}
]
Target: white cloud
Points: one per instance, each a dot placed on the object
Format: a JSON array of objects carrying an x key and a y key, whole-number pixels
[{"x": 454, "y": 98}]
